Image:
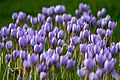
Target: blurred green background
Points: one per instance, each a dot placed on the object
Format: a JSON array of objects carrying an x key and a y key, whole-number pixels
[{"x": 33, "y": 7}]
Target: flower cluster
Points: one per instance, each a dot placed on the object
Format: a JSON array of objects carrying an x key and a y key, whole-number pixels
[{"x": 54, "y": 44}]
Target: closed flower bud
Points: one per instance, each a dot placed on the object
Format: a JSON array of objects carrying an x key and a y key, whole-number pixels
[
  {"x": 33, "y": 20},
  {"x": 109, "y": 33},
  {"x": 26, "y": 65},
  {"x": 9, "y": 45},
  {"x": 109, "y": 65},
  {"x": 39, "y": 68},
  {"x": 23, "y": 55},
  {"x": 60, "y": 42},
  {"x": 14, "y": 16},
  {"x": 71, "y": 48},
  {"x": 48, "y": 27},
  {"x": 112, "y": 25},
  {"x": 100, "y": 58},
  {"x": 14, "y": 33},
  {"x": 55, "y": 57},
  {"x": 89, "y": 63},
  {"x": 43, "y": 75},
  {"x": 8, "y": 57},
  {"x": 1, "y": 46},
  {"x": 16, "y": 54},
  {"x": 21, "y": 16},
  {"x": 36, "y": 48},
  {"x": 59, "y": 50},
  {"x": 70, "y": 64},
  {"x": 63, "y": 60},
  {"x": 93, "y": 76},
  {"x": 22, "y": 42},
  {"x": 83, "y": 48},
  {"x": 54, "y": 42},
  {"x": 60, "y": 34},
  {"x": 81, "y": 72},
  {"x": 33, "y": 59}
]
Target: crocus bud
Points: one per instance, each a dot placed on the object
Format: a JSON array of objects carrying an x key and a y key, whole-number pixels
[
  {"x": 1, "y": 46},
  {"x": 89, "y": 63},
  {"x": 33, "y": 20},
  {"x": 23, "y": 55},
  {"x": 9, "y": 45},
  {"x": 70, "y": 64},
  {"x": 14, "y": 33},
  {"x": 109, "y": 65},
  {"x": 81, "y": 72},
  {"x": 71, "y": 48},
  {"x": 93, "y": 76},
  {"x": 112, "y": 25},
  {"x": 60, "y": 34},
  {"x": 22, "y": 42},
  {"x": 59, "y": 50},
  {"x": 36, "y": 48},
  {"x": 63, "y": 60},
  {"x": 83, "y": 48},
  {"x": 33, "y": 59},
  {"x": 109, "y": 33},
  {"x": 100, "y": 58},
  {"x": 8, "y": 57},
  {"x": 55, "y": 57},
  {"x": 21, "y": 16},
  {"x": 43, "y": 75},
  {"x": 60, "y": 42},
  {"x": 26, "y": 65},
  {"x": 39, "y": 68},
  {"x": 16, "y": 54},
  {"x": 14, "y": 16}
]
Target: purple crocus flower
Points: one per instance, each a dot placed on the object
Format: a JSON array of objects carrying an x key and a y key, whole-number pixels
[
  {"x": 33, "y": 42},
  {"x": 59, "y": 9},
  {"x": 41, "y": 18},
  {"x": 19, "y": 34},
  {"x": 14, "y": 16},
  {"x": 12, "y": 26},
  {"x": 99, "y": 72},
  {"x": 39, "y": 68},
  {"x": 48, "y": 27},
  {"x": 83, "y": 48},
  {"x": 33, "y": 20},
  {"x": 69, "y": 55},
  {"x": 109, "y": 65},
  {"x": 36, "y": 48},
  {"x": 112, "y": 25},
  {"x": 21, "y": 16},
  {"x": 22, "y": 42},
  {"x": 93, "y": 76},
  {"x": 59, "y": 50},
  {"x": 28, "y": 18},
  {"x": 83, "y": 7},
  {"x": 42, "y": 58},
  {"x": 63, "y": 60},
  {"x": 14, "y": 33},
  {"x": 77, "y": 12},
  {"x": 52, "y": 35},
  {"x": 9, "y": 45},
  {"x": 59, "y": 19},
  {"x": 69, "y": 28},
  {"x": 81, "y": 72},
  {"x": 16, "y": 54},
  {"x": 109, "y": 33},
  {"x": 60, "y": 42},
  {"x": 49, "y": 61},
  {"x": 23, "y": 55},
  {"x": 100, "y": 31},
  {"x": 26, "y": 65},
  {"x": 53, "y": 42},
  {"x": 1, "y": 46},
  {"x": 4, "y": 31},
  {"x": 100, "y": 58},
  {"x": 70, "y": 64},
  {"x": 89, "y": 63},
  {"x": 60, "y": 34},
  {"x": 97, "y": 49},
  {"x": 113, "y": 49},
  {"x": 8, "y": 57},
  {"x": 75, "y": 40},
  {"x": 55, "y": 57},
  {"x": 33, "y": 59},
  {"x": 43, "y": 75},
  {"x": 71, "y": 48},
  {"x": 66, "y": 17}
]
